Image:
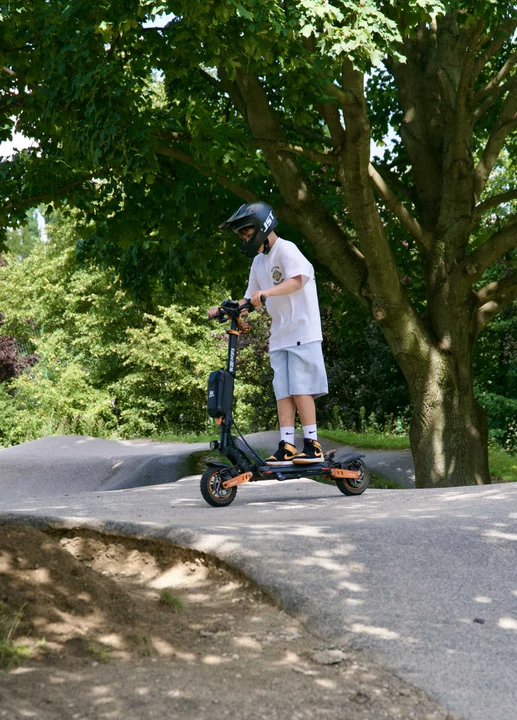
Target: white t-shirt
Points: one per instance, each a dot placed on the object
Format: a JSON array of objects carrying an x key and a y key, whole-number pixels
[{"x": 295, "y": 317}]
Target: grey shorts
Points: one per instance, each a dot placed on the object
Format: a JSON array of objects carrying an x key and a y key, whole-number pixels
[{"x": 299, "y": 370}]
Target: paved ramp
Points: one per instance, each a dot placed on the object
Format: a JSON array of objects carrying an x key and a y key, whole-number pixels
[{"x": 72, "y": 464}]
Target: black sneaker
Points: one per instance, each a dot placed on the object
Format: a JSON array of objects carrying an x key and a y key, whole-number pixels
[
  {"x": 312, "y": 453},
  {"x": 284, "y": 455}
]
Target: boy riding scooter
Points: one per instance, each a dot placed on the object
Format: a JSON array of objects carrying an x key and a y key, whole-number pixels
[{"x": 282, "y": 275}]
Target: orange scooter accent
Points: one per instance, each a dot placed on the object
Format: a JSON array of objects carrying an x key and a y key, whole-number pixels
[
  {"x": 337, "y": 472},
  {"x": 244, "y": 478}
]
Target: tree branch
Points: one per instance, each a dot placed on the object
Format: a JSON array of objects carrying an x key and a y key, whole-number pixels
[
  {"x": 398, "y": 209},
  {"x": 421, "y": 140},
  {"x": 346, "y": 96},
  {"x": 495, "y": 82},
  {"x": 492, "y": 98},
  {"x": 220, "y": 179},
  {"x": 333, "y": 247},
  {"x": 393, "y": 180},
  {"x": 494, "y": 297},
  {"x": 492, "y": 202},
  {"x": 388, "y": 300},
  {"x": 173, "y": 136},
  {"x": 16, "y": 75},
  {"x": 357, "y": 176},
  {"x": 330, "y": 115},
  {"x": 9, "y": 71},
  {"x": 327, "y": 110},
  {"x": 326, "y": 158},
  {"x": 504, "y": 125},
  {"x": 461, "y": 117},
  {"x": 495, "y": 247},
  {"x": 46, "y": 197},
  {"x": 307, "y": 133},
  {"x": 500, "y": 35},
  {"x": 211, "y": 79},
  {"x": 231, "y": 88}
]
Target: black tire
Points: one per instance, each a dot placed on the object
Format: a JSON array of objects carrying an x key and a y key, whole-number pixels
[
  {"x": 211, "y": 489},
  {"x": 352, "y": 486}
]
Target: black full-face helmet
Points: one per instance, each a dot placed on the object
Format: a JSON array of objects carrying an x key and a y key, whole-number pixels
[{"x": 258, "y": 216}]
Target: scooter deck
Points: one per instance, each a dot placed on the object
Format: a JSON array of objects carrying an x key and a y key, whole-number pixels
[
  {"x": 264, "y": 472},
  {"x": 290, "y": 472}
]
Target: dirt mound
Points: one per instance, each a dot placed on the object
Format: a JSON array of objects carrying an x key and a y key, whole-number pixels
[
  {"x": 79, "y": 595},
  {"x": 95, "y": 626}
]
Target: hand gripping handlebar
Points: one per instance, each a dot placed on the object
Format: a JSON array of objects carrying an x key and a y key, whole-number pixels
[{"x": 229, "y": 308}]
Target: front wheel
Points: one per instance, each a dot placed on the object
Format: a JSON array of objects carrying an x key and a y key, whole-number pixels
[
  {"x": 212, "y": 490},
  {"x": 354, "y": 486}
]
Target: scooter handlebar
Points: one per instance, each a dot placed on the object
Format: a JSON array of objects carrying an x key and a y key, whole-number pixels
[{"x": 232, "y": 307}]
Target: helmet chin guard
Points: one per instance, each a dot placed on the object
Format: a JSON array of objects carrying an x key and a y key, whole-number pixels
[
  {"x": 249, "y": 248},
  {"x": 258, "y": 216}
]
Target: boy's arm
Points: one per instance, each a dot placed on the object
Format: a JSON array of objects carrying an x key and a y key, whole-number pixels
[{"x": 284, "y": 288}]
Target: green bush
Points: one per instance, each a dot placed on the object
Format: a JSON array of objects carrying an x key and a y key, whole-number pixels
[
  {"x": 168, "y": 361},
  {"x": 107, "y": 364},
  {"x": 502, "y": 419}
]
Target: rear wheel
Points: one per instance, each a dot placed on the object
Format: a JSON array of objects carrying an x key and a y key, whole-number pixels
[
  {"x": 212, "y": 490},
  {"x": 354, "y": 486}
]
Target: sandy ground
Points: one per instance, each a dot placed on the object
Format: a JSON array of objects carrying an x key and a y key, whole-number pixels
[{"x": 125, "y": 628}]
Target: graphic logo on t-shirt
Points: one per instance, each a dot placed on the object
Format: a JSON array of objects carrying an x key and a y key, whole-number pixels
[{"x": 276, "y": 274}]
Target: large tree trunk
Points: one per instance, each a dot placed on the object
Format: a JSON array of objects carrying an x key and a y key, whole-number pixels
[{"x": 449, "y": 431}]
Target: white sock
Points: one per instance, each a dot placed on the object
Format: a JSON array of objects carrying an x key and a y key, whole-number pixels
[
  {"x": 287, "y": 434},
  {"x": 310, "y": 431}
]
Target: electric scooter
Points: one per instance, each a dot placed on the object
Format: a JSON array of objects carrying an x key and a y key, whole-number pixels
[{"x": 219, "y": 481}]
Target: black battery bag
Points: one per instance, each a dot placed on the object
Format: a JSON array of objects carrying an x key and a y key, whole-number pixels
[{"x": 220, "y": 393}]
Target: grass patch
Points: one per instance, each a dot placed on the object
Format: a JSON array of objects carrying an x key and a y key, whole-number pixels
[
  {"x": 502, "y": 465},
  {"x": 100, "y": 653},
  {"x": 171, "y": 601},
  {"x": 382, "y": 483},
  {"x": 199, "y": 459},
  {"x": 144, "y": 646},
  {"x": 187, "y": 438},
  {"x": 367, "y": 440},
  {"x": 11, "y": 652}
]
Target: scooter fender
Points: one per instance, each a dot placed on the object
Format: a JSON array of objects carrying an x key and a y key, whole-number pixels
[
  {"x": 348, "y": 457},
  {"x": 213, "y": 464}
]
